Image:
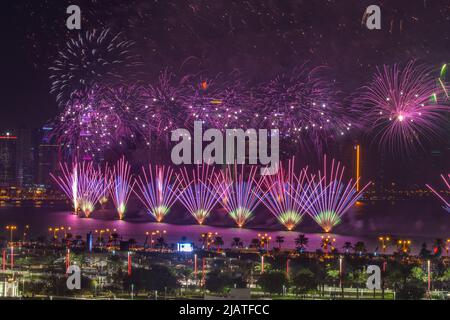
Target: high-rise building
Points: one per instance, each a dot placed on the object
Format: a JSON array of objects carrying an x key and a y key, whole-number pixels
[
  {"x": 8, "y": 159},
  {"x": 25, "y": 157},
  {"x": 48, "y": 156}
]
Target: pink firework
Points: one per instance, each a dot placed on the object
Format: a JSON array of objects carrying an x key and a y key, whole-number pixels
[
  {"x": 91, "y": 187},
  {"x": 218, "y": 103},
  {"x": 163, "y": 106},
  {"x": 288, "y": 195},
  {"x": 157, "y": 191},
  {"x": 304, "y": 105},
  {"x": 68, "y": 183},
  {"x": 239, "y": 194},
  {"x": 83, "y": 184},
  {"x": 121, "y": 186},
  {"x": 197, "y": 192},
  {"x": 329, "y": 196},
  {"x": 439, "y": 195},
  {"x": 402, "y": 107}
]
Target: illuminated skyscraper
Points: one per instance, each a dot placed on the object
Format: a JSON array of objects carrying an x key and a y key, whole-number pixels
[{"x": 8, "y": 159}]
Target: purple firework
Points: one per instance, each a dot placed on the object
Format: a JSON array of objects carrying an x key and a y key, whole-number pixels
[
  {"x": 84, "y": 128},
  {"x": 216, "y": 102},
  {"x": 164, "y": 107},
  {"x": 402, "y": 107},
  {"x": 303, "y": 105}
]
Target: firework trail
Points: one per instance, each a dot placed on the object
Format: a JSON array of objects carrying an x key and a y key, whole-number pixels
[
  {"x": 402, "y": 107},
  {"x": 121, "y": 186},
  {"x": 68, "y": 183},
  {"x": 91, "y": 59},
  {"x": 163, "y": 106},
  {"x": 157, "y": 192},
  {"x": 197, "y": 191},
  {"x": 82, "y": 184},
  {"x": 287, "y": 195},
  {"x": 216, "y": 102},
  {"x": 447, "y": 183},
  {"x": 304, "y": 106},
  {"x": 91, "y": 187},
  {"x": 240, "y": 195},
  {"x": 330, "y": 197}
]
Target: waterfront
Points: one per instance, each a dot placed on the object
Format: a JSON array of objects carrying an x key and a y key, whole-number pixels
[{"x": 420, "y": 221}]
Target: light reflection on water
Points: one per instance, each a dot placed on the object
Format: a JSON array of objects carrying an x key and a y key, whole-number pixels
[{"x": 419, "y": 221}]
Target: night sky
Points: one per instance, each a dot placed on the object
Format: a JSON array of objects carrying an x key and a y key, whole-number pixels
[{"x": 258, "y": 38}]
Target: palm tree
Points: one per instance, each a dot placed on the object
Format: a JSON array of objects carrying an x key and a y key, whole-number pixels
[
  {"x": 218, "y": 241},
  {"x": 237, "y": 243},
  {"x": 360, "y": 247},
  {"x": 301, "y": 242},
  {"x": 279, "y": 240},
  {"x": 161, "y": 243},
  {"x": 255, "y": 243},
  {"x": 347, "y": 246}
]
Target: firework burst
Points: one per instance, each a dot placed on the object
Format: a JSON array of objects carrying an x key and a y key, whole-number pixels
[
  {"x": 330, "y": 197},
  {"x": 304, "y": 106},
  {"x": 240, "y": 195},
  {"x": 217, "y": 103},
  {"x": 93, "y": 58},
  {"x": 402, "y": 107},
  {"x": 163, "y": 106},
  {"x": 84, "y": 129},
  {"x": 439, "y": 195},
  {"x": 157, "y": 192},
  {"x": 197, "y": 192},
  {"x": 121, "y": 186},
  {"x": 287, "y": 195}
]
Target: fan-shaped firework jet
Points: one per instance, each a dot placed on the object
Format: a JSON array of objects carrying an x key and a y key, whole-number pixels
[
  {"x": 330, "y": 197},
  {"x": 121, "y": 186},
  {"x": 197, "y": 191},
  {"x": 240, "y": 195},
  {"x": 447, "y": 183},
  {"x": 287, "y": 195},
  {"x": 68, "y": 183},
  {"x": 402, "y": 107},
  {"x": 91, "y": 187},
  {"x": 93, "y": 58},
  {"x": 83, "y": 185},
  {"x": 157, "y": 191},
  {"x": 304, "y": 105}
]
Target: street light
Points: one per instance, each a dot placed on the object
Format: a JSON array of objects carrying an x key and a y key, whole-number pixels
[
  {"x": 404, "y": 245},
  {"x": 154, "y": 233},
  {"x": 11, "y": 230},
  {"x": 25, "y": 232},
  {"x": 56, "y": 230},
  {"x": 264, "y": 239},
  {"x": 384, "y": 240}
]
